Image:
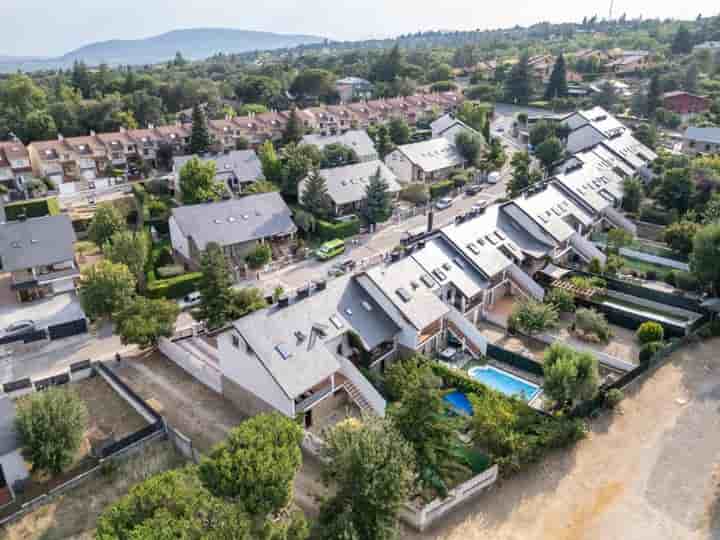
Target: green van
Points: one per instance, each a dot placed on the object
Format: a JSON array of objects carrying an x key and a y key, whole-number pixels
[{"x": 331, "y": 249}]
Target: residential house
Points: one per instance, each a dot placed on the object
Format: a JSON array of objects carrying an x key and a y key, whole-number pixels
[
  {"x": 146, "y": 142},
  {"x": 39, "y": 255},
  {"x": 333, "y": 120},
  {"x": 15, "y": 164},
  {"x": 541, "y": 65},
  {"x": 237, "y": 225},
  {"x": 363, "y": 115},
  {"x": 176, "y": 136},
  {"x": 686, "y": 104},
  {"x": 629, "y": 62},
  {"x": 304, "y": 362},
  {"x": 353, "y": 89},
  {"x": 91, "y": 156},
  {"x": 356, "y": 139},
  {"x": 13, "y": 469},
  {"x": 120, "y": 147},
  {"x": 449, "y": 127},
  {"x": 347, "y": 185},
  {"x": 699, "y": 140},
  {"x": 55, "y": 161},
  {"x": 425, "y": 161},
  {"x": 235, "y": 169},
  {"x": 711, "y": 46},
  {"x": 223, "y": 133}
]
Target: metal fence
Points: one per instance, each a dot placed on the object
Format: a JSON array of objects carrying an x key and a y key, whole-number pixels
[
  {"x": 72, "y": 328},
  {"x": 514, "y": 359}
]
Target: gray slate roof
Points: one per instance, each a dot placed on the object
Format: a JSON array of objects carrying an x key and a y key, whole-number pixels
[
  {"x": 36, "y": 242},
  {"x": 236, "y": 221},
  {"x": 358, "y": 140},
  {"x": 8, "y": 435},
  {"x": 347, "y": 184},
  {"x": 310, "y": 363},
  {"x": 432, "y": 155},
  {"x": 244, "y": 164},
  {"x": 706, "y": 134}
]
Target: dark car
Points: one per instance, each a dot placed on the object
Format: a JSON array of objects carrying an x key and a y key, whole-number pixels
[{"x": 18, "y": 328}]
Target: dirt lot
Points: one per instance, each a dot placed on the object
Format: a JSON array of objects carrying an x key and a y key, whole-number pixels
[
  {"x": 74, "y": 514},
  {"x": 646, "y": 473}
]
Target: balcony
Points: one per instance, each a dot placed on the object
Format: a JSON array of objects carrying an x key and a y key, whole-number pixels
[
  {"x": 56, "y": 275},
  {"x": 314, "y": 397}
]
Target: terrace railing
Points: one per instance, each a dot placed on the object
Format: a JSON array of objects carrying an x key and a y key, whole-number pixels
[
  {"x": 586, "y": 249},
  {"x": 621, "y": 221},
  {"x": 526, "y": 283}
]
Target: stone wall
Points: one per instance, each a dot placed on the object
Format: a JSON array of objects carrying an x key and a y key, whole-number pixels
[{"x": 247, "y": 402}]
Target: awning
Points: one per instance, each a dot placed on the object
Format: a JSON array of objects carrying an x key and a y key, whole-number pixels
[{"x": 555, "y": 272}]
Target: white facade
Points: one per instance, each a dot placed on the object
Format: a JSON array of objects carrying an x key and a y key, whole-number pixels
[
  {"x": 401, "y": 166},
  {"x": 178, "y": 240}
]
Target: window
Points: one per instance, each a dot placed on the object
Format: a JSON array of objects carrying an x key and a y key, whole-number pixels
[{"x": 236, "y": 341}]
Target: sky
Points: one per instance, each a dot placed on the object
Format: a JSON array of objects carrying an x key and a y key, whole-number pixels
[{"x": 39, "y": 28}]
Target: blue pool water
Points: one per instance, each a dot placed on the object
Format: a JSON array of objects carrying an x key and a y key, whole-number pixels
[
  {"x": 460, "y": 403},
  {"x": 504, "y": 382}
]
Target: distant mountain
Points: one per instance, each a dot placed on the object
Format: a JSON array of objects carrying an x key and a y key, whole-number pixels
[{"x": 193, "y": 44}]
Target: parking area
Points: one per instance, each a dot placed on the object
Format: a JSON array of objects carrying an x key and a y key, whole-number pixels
[{"x": 56, "y": 310}]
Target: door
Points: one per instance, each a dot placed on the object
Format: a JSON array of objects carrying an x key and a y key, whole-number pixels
[{"x": 308, "y": 419}]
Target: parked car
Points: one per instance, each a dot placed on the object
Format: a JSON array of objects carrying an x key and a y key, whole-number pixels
[
  {"x": 473, "y": 189},
  {"x": 190, "y": 300},
  {"x": 478, "y": 206},
  {"x": 493, "y": 177},
  {"x": 18, "y": 328},
  {"x": 331, "y": 249},
  {"x": 444, "y": 203}
]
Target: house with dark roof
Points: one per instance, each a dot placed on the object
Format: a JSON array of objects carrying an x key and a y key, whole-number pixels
[
  {"x": 425, "y": 161},
  {"x": 235, "y": 169},
  {"x": 356, "y": 139},
  {"x": 701, "y": 140},
  {"x": 237, "y": 225},
  {"x": 12, "y": 465},
  {"x": 686, "y": 104},
  {"x": 39, "y": 255},
  {"x": 449, "y": 127},
  {"x": 347, "y": 186}
]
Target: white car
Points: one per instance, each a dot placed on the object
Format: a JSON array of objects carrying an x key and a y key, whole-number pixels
[
  {"x": 444, "y": 203},
  {"x": 478, "y": 206},
  {"x": 189, "y": 300},
  {"x": 493, "y": 177}
]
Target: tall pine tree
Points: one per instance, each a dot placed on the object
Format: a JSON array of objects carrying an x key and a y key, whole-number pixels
[
  {"x": 215, "y": 287},
  {"x": 557, "y": 86},
  {"x": 379, "y": 202},
  {"x": 293, "y": 129},
  {"x": 518, "y": 86},
  {"x": 382, "y": 142},
  {"x": 199, "y": 136},
  {"x": 654, "y": 96},
  {"x": 315, "y": 196}
]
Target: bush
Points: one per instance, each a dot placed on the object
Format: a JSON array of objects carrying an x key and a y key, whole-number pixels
[
  {"x": 670, "y": 278},
  {"x": 659, "y": 216},
  {"x": 592, "y": 322},
  {"x": 613, "y": 398},
  {"x": 175, "y": 287},
  {"x": 533, "y": 317},
  {"x": 326, "y": 230},
  {"x": 165, "y": 272},
  {"x": 649, "y": 350},
  {"x": 260, "y": 256},
  {"x": 440, "y": 189},
  {"x": 415, "y": 194},
  {"x": 650, "y": 331},
  {"x": 32, "y": 209},
  {"x": 563, "y": 300},
  {"x": 407, "y": 375},
  {"x": 687, "y": 282}
]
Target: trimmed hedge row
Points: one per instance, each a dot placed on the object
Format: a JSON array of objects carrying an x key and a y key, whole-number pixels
[
  {"x": 341, "y": 229},
  {"x": 174, "y": 288},
  {"x": 33, "y": 208},
  {"x": 440, "y": 189}
]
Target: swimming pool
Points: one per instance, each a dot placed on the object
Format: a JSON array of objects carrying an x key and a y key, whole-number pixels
[
  {"x": 504, "y": 382},
  {"x": 459, "y": 403}
]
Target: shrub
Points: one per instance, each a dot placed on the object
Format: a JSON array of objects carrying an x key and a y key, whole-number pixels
[
  {"x": 650, "y": 331},
  {"x": 175, "y": 287},
  {"x": 404, "y": 376},
  {"x": 32, "y": 209},
  {"x": 687, "y": 281},
  {"x": 592, "y": 322},
  {"x": 595, "y": 266},
  {"x": 415, "y": 194},
  {"x": 260, "y": 256},
  {"x": 533, "y": 317},
  {"x": 341, "y": 229},
  {"x": 563, "y": 300},
  {"x": 613, "y": 398},
  {"x": 659, "y": 216},
  {"x": 649, "y": 350},
  {"x": 165, "y": 272},
  {"x": 440, "y": 189},
  {"x": 670, "y": 278}
]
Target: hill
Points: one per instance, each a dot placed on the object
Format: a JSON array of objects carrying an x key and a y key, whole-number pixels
[{"x": 194, "y": 44}]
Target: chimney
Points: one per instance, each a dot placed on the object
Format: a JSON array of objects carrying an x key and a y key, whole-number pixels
[
  {"x": 92, "y": 132},
  {"x": 430, "y": 221},
  {"x": 60, "y": 137}
]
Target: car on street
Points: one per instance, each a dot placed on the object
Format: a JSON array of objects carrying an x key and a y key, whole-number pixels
[
  {"x": 341, "y": 268},
  {"x": 444, "y": 203},
  {"x": 478, "y": 206},
  {"x": 331, "y": 249},
  {"x": 190, "y": 300},
  {"x": 473, "y": 189},
  {"x": 493, "y": 177},
  {"x": 18, "y": 328}
]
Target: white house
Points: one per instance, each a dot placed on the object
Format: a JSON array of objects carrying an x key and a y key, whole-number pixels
[
  {"x": 425, "y": 161},
  {"x": 449, "y": 127},
  {"x": 356, "y": 139}
]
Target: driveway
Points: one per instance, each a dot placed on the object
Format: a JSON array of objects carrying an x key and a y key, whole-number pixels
[
  {"x": 56, "y": 310},
  {"x": 649, "y": 472}
]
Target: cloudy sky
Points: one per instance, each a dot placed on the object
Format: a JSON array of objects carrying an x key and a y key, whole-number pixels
[{"x": 42, "y": 28}]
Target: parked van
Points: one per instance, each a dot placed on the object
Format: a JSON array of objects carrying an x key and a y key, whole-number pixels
[
  {"x": 331, "y": 249},
  {"x": 493, "y": 177}
]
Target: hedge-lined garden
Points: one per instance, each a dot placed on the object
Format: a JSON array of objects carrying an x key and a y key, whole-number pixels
[
  {"x": 175, "y": 287},
  {"x": 327, "y": 230},
  {"x": 32, "y": 209}
]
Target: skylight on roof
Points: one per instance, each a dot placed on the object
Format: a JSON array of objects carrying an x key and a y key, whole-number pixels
[
  {"x": 336, "y": 322},
  {"x": 474, "y": 248},
  {"x": 403, "y": 294},
  {"x": 366, "y": 305},
  {"x": 427, "y": 281},
  {"x": 283, "y": 351}
]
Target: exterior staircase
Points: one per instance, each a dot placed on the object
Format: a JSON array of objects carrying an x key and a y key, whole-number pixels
[{"x": 358, "y": 398}]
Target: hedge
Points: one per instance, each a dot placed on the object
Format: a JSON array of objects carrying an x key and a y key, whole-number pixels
[
  {"x": 440, "y": 189},
  {"x": 326, "y": 230},
  {"x": 33, "y": 208},
  {"x": 173, "y": 288}
]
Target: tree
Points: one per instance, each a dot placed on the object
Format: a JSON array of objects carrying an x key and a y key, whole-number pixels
[
  {"x": 562, "y": 299},
  {"x": 215, "y": 287},
  {"x": 315, "y": 198},
  {"x": 607, "y": 97},
  {"x": 679, "y": 236},
  {"x": 569, "y": 375},
  {"x": 314, "y": 83},
  {"x": 647, "y": 134},
  {"x": 474, "y": 114},
  {"x": 522, "y": 177},
  {"x": 518, "y": 86},
  {"x": 388, "y": 66},
  {"x": 592, "y": 323},
  {"x": 259, "y": 257},
  {"x": 245, "y": 301},
  {"x": 50, "y": 427},
  {"x": 705, "y": 258},
  {"x": 632, "y": 195},
  {"x": 691, "y": 77},
  {"x": 650, "y": 332},
  {"x": 383, "y": 143},
  {"x": 297, "y": 162},
  {"x": 654, "y": 96},
  {"x": 260, "y": 186},
  {"x": 617, "y": 239},
  {"x": 105, "y": 223},
  {"x": 372, "y": 466},
  {"x": 256, "y": 464},
  {"x": 131, "y": 249},
  {"x": 378, "y": 198},
  {"x": 164, "y": 156},
  {"x": 549, "y": 152},
  {"x": 557, "y": 86},
  {"x": 199, "y": 136},
  {"x": 441, "y": 72},
  {"x": 304, "y": 220},
  {"x": 143, "y": 321},
  {"x": 105, "y": 289},
  {"x": 337, "y": 155},
  {"x": 257, "y": 89},
  {"x": 197, "y": 182},
  {"x": 682, "y": 41},
  {"x": 676, "y": 190},
  {"x": 271, "y": 164},
  {"x": 533, "y": 317},
  {"x": 469, "y": 146},
  {"x": 294, "y": 130},
  {"x": 404, "y": 377},
  {"x": 541, "y": 132},
  {"x": 399, "y": 131}
]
